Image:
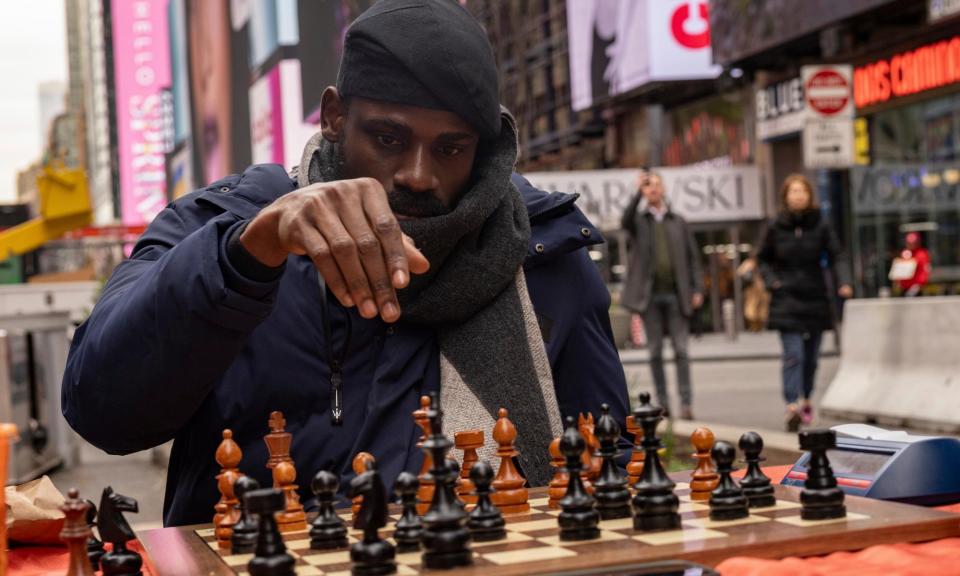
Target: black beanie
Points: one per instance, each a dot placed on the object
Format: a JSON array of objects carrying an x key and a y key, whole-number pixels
[{"x": 426, "y": 53}]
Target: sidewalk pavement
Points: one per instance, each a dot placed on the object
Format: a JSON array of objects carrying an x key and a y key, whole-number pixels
[{"x": 719, "y": 347}]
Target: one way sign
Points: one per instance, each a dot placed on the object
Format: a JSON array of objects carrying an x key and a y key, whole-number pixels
[{"x": 828, "y": 143}]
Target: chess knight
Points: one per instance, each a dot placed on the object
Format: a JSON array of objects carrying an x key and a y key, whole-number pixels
[{"x": 401, "y": 256}]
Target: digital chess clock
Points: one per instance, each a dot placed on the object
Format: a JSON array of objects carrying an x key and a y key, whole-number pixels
[{"x": 877, "y": 463}]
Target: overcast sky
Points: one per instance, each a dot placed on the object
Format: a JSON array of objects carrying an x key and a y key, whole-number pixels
[{"x": 32, "y": 50}]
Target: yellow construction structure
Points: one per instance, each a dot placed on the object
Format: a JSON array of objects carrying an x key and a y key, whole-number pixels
[{"x": 64, "y": 206}]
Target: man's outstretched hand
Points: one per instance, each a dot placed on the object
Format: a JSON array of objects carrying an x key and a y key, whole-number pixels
[{"x": 349, "y": 231}]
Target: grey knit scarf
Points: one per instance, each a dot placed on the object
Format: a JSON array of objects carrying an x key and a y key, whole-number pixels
[{"x": 475, "y": 297}]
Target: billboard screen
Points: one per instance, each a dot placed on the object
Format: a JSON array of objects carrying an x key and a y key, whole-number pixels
[
  {"x": 278, "y": 131},
  {"x": 141, "y": 68},
  {"x": 619, "y": 45}
]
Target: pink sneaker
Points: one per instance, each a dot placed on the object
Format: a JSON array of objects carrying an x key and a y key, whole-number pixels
[{"x": 806, "y": 413}]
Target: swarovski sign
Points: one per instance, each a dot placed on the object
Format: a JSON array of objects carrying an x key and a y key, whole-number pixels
[{"x": 698, "y": 194}]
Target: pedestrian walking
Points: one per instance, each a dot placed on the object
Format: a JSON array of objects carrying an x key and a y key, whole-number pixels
[
  {"x": 793, "y": 250},
  {"x": 664, "y": 282}
]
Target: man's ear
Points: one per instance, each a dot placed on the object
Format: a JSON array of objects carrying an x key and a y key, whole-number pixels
[{"x": 332, "y": 115}]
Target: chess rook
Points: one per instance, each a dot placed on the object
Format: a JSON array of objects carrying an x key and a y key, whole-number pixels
[
  {"x": 270, "y": 555},
  {"x": 655, "y": 506},
  {"x": 446, "y": 540},
  {"x": 727, "y": 501},
  {"x": 611, "y": 492},
  {"x": 244, "y": 537},
  {"x": 704, "y": 478},
  {"x": 75, "y": 533},
  {"x": 327, "y": 530},
  {"x": 755, "y": 484},
  {"x": 579, "y": 518},
  {"x": 821, "y": 499},
  {"x": 510, "y": 494},
  {"x": 468, "y": 441}
]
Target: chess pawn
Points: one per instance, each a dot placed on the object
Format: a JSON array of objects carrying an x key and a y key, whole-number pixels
[
  {"x": 756, "y": 486},
  {"x": 95, "y": 549},
  {"x": 244, "y": 537},
  {"x": 613, "y": 497},
  {"x": 292, "y": 518},
  {"x": 409, "y": 528},
  {"x": 509, "y": 492},
  {"x": 558, "y": 484},
  {"x": 270, "y": 554},
  {"x": 278, "y": 441},
  {"x": 469, "y": 441},
  {"x": 228, "y": 456},
  {"x": 425, "y": 492},
  {"x": 591, "y": 461},
  {"x": 485, "y": 521},
  {"x": 727, "y": 501},
  {"x": 579, "y": 518},
  {"x": 359, "y": 466},
  {"x": 821, "y": 499},
  {"x": 655, "y": 505},
  {"x": 75, "y": 533},
  {"x": 635, "y": 466},
  {"x": 704, "y": 478},
  {"x": 327, "y": 529}
]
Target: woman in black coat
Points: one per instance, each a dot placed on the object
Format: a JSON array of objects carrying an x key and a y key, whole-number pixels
[{"x": 792, "y": 254}]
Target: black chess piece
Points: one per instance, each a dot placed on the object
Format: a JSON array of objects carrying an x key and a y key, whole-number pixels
[
  {"x": 485, "y": 521},
  {"x": 755, "y": 484},
  {"x": 372, "y": 555},
  {"x": 327, "y": 530},
  {"x": 727, "y": 501},
  {"x": 243, "y": 540},
  {"x": 820, "y": 498},
  {"x": 270, "y": 555},
  {"x": 655, "y": 506},
  {"x": 114, "y": 529},
  {"x": 610, "y": 488},
  {"x": 95, "y": 549},
  {"x": 579, "y": 517},
  {"x": 409, "y": 528},
  {"x": 446, "y": 540}
]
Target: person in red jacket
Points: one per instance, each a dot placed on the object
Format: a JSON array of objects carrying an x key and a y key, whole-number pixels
[{"x": 921, "y": 274}]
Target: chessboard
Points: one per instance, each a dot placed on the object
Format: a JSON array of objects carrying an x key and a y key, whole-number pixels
[{"x": 533, "y": 546}]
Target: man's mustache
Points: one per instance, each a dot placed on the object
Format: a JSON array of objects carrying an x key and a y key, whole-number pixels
[{"x": 406, "y": 202}]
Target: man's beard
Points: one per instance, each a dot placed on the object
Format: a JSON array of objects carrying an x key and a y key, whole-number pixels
[{"x": 403, "y": 201}]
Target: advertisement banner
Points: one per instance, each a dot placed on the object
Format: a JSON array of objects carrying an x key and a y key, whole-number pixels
[
  {"x": 904, "y": 188},
  {"x": 619, "y": 45},
  {"x": 142, "y": 69},
  {"x": 780, "y": 109},
  {"x": 278, "y": 131},
  {"x": 699, "y": 194}
]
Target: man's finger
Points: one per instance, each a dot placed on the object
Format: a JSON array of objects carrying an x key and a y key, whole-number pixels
[
  {"x": 317, "y": 249},
  {"x": 371, "y": 253},
  {"x": 343, "y": 247},
  {"x": 385, "y": 226},
  {"x": 415, "y": 259}
]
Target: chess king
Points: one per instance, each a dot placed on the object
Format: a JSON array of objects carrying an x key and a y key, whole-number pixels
[{"x": 401, "y": 256}]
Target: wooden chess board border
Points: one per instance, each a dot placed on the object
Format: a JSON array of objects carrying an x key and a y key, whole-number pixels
[{"x": 769, "y": 533}]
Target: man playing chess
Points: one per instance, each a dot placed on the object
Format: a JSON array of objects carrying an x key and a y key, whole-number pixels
[{"x": 401, "y": 256}]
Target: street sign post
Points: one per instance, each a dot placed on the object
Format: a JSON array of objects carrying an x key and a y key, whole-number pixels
[{"x": 828, "y": 130}]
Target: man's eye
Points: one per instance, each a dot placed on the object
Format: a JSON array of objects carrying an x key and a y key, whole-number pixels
[
  {"x": 450, "y": 151},
  {"x": 387, "y": 140}
]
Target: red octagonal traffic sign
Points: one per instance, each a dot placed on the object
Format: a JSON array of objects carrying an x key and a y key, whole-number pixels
[{"x": 827, "y": 92}]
